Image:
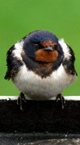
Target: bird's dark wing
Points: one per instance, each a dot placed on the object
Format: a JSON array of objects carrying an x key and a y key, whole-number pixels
[
  {"x": 12, "y": 64},
  {"x": 69, "y": 64}
]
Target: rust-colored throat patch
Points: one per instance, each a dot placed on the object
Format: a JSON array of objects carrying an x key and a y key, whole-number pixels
[{"x": 46, "y": 56}]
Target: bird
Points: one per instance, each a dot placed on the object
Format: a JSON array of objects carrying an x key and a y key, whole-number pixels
[{"x": 41, "y": 66}]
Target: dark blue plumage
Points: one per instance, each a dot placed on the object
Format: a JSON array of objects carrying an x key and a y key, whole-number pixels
[{"x": 40, "y": 36}]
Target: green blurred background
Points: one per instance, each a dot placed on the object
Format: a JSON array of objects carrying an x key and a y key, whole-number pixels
[{"x": 19, "y": 17}]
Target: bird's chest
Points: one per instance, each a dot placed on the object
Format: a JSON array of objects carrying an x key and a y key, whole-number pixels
[{"x": 40, "y": 88}]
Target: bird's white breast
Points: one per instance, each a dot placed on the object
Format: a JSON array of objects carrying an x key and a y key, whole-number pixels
[{"x": 35, "y": 87}]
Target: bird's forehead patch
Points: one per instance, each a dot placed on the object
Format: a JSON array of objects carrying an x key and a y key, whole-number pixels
[{"x": 47, "y": 43}]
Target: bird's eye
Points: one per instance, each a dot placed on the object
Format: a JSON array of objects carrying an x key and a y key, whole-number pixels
[{"x": 36, "y": 45}]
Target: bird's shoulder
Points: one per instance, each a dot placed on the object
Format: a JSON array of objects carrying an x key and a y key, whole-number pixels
[
  {"x": 69, "y": 58},
  {"x": 13, "y": 60}
]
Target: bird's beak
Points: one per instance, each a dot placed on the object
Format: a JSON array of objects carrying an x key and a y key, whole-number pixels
[{"x": 49, "y": 48}]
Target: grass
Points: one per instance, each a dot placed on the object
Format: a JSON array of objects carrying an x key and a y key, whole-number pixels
[{"x": 18, "y": 18}]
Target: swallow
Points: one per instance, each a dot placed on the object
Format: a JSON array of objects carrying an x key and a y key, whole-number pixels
[{"x": 41, "y": 66}]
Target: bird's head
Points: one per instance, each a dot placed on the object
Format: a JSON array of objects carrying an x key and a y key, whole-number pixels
[
  {"x": 42, "y": 46},
  {"x": 48, "y": 52}
]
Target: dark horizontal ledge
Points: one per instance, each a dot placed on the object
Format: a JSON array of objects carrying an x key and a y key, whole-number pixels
[
  {"x": 36, "y": 136},
  {"x": 38, "y": 139},
  {"x": 40, "y": 117}
]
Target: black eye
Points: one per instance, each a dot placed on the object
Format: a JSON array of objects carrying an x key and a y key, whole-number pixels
[{"x": 36, "y": 45}]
